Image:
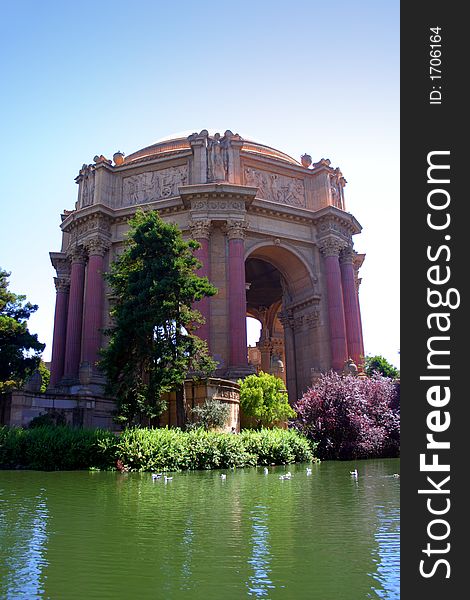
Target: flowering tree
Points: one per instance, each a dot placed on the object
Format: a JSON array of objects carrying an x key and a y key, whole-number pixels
[{"x": 351, "y": 417}]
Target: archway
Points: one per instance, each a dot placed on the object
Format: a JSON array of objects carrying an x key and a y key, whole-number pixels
[{"x": 280, "y": 289}]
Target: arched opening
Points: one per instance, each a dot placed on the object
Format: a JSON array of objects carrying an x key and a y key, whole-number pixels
[
  {"x": 253, "y": 336},
  {"x": 278, "y": 283},
  {"x": 263, "y": 303}
]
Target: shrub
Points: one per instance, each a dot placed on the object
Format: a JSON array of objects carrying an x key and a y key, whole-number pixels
[
  {"x": 138, "y": 449},
  {"x": 264, "y": 397},
  {"x": 212, "y": 414},
  {"x": 278, "y": 446},
  {"x": 50, "y": 418},
  {"x": 351, "y": 417},
  {"x": 54, "y": 448}
]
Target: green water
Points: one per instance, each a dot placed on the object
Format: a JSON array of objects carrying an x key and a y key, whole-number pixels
[{"x": 327, "y": 536}]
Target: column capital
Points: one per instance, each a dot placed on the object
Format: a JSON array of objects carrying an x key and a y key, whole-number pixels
[
  {"x": 76, "y": 254},
  {"x": 62, "y": 283},
  {"x": 200, "y": 229},
  {"x": 286, "y": 317},
  {"x": 265, "y": 344},
  {"x": 97, "y": 246},
  {"x": 347, "y": 255},
  {"x": 331, "y": 246},
  {"x": 236, "y": 229}
]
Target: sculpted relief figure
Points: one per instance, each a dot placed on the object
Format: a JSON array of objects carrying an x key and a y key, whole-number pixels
[
  {"x": 217, "y": 159},
  {"x": 277, "y": 188},
  {"x": 86, "y": 178},
  {"x": 153, "y": 185},
  {"x": 337, "y": 183}
]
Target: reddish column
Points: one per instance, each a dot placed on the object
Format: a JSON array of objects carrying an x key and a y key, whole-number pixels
[
  {"x": 200, "y": 231},
  {"x": 339, "y": 351},
  {"x": 287, "y": 320},
  {"x": 357, "y": 262},
  {"x": 62, "y": 285},
  {"x": 237, "y": 295},
  {"x": 75, "y": 314},
  {"x": 93, "y": 309},
  {"x": 351, "y": 306}
]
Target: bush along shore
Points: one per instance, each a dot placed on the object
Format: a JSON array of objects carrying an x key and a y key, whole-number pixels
[{"x": 52, "y": 448}]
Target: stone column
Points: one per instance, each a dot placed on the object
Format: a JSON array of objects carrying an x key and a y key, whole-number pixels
[
  {"x": 265, "y": 347},
  {"x": 94, "y": 295},
  {"x": 330, "y": 249},
  {"x": 287, "y": 319},
  {"x": 351, "y": 306},
  {"x": 357, "y": 262},
  {"x": 237, "y": 293},
  {"x": 200, "y": 231},
  {"x": 62, "y": 286},
  {"x": 75, "y": 314}
]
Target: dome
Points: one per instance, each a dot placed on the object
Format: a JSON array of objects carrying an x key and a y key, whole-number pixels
[{"x": 169, "y": 146}]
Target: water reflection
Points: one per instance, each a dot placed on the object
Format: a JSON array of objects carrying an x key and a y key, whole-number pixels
[
  {"x": 259, "y": 582},
  {"x": 388, "y": 563},
  {"x": 187, "y": 543},
  {"x": 23, "y": 541},
  {"x": 106, "y": 535}
]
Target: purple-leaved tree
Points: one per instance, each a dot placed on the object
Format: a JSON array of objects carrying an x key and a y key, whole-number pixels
[{"x": 351, "y": 417}]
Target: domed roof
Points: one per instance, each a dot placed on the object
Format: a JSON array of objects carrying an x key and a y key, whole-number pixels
[{"x": 176, "y": 145}]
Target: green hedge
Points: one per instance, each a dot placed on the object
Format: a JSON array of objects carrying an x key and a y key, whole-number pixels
[
  {"x": 138, "y": 449},
  {"x": 50, "y": 448}
]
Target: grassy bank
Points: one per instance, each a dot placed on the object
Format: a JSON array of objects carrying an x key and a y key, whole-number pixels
[{"x": 62, "y": 448}]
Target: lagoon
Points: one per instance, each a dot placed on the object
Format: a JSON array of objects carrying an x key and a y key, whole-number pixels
[{"x": 324, "y": 536}]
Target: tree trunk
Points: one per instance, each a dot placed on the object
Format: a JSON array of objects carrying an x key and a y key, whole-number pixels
[{"x": 180, "y": 407}]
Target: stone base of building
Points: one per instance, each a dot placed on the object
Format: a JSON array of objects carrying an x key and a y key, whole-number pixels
[{"x": 82, "y": 406}]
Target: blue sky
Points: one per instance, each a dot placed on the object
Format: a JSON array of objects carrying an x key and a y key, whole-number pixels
[{"x": 88, "y": 78}]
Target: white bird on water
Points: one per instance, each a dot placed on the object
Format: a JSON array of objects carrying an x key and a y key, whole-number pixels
[
  {"x": 266, "y": 470},
  {"x": 309, "y": 471},
  {"x": 156, "y": 476},
  {"x": 288, "y": 475},
  {"x": 168, "y": 478},
  {"x": 354, "y": 473},
  {"x": 223, "y": 476}
]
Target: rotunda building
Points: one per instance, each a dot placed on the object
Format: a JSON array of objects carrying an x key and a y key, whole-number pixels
[{"x": 276, "y": 240}]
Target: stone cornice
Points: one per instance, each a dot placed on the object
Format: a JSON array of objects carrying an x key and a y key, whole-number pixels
[
  {"x": 152, "y": 159},
  {"x": 216, "y": 191},
  {"x": 327, "y": 220},
  {"x": 288, "y": 169},
  {"x": 301, "y": 304},
  {"x": 275, "y": 209},
  {"x": 164, "y": 207},
  {"x": 61, "y": 263},
  {"x": 358, "y": 260},
  {"x": 86, "y": 214}
]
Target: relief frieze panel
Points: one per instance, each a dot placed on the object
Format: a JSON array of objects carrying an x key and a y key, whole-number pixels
[
  {"x": 275, "y": 187},
  {"x": 153, "y": 185}
]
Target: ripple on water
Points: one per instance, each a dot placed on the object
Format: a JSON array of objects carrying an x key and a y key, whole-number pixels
[{"x": 252, "y": 535}]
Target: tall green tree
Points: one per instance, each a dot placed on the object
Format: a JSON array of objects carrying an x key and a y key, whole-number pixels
[
  {"x": 153, "y": 343},
  {"x": 264, "y": 397},
  {"x": 379, "y": 364},
  {"x": 20, "y": 350}
]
